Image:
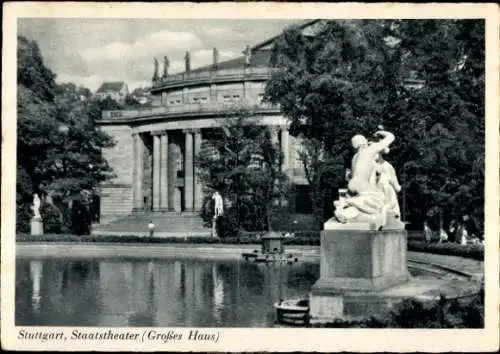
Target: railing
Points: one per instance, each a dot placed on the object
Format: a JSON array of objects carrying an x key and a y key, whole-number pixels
[
  {"x": 211, "y": 75},
  {"x": 208, "y": 107}
]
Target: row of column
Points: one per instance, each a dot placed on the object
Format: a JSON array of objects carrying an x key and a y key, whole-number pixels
[{"x": 164, "y": 172}]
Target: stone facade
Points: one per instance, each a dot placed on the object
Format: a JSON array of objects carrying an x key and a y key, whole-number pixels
[
  {"x": 116, "y": 193},
  {"x": 156, "y": 146}
]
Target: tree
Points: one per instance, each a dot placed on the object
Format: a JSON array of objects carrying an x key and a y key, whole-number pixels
[
  {"x": 243, "y": 163},
  {"x": 443, "y": 123},
  {"x": 352, "y": 77},
  {"x": 331, "y": 86},
  {"x": 58, "y": 146}
]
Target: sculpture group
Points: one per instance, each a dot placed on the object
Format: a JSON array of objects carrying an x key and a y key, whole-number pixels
[{"x": 371, "y": 195}]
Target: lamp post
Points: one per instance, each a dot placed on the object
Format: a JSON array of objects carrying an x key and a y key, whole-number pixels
[{"x": 404, "y": 194}]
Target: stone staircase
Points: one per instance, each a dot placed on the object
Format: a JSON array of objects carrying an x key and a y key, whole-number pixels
[{"x": 168, "y": 224}]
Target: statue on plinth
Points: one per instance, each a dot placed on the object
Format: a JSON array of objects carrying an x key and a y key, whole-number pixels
[
  {"x": 187, "y": 62},
  {"x": 155, "y": 73},
  {"x": 36, "y": 220},
  {"x": 36, "y": 207},
  {"x": 372, "y": 185},
  {"x": 166, "y": 65},
  {"x": 248, "y": 55},
  {"x": 218, "y": 210}
]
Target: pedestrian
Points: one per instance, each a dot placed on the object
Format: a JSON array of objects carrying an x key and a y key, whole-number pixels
[
  {"x": 463, "y": 236},
  {"x": 427, "y": 233},
  {"x": 452, "y": 230},
  {"x": 443, "y": 236},
  {"x": 151, "y": 227}
]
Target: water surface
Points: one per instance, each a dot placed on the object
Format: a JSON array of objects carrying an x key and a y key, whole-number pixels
[{"x": 170, "y": 292}]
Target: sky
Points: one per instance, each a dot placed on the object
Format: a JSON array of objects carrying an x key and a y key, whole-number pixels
[{"x": 89, "y": 52}]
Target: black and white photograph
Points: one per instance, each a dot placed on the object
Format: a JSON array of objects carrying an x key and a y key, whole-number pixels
[{"x": 183, "y": 177}]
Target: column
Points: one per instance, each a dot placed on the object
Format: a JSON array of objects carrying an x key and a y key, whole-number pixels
[
  {"x": 173, "y": 151},
  {"x": 198, "y": 187},
  {"x": 285, "y": 148},
  {"x": 156, "y": 171},
  {"x": 185, "y": 95},
  {"x": 164, "y": 185},
  {"x": 188, "y": 171},
  {"x": 138, "y": 172},
  {"x": 213, "y": 93}
]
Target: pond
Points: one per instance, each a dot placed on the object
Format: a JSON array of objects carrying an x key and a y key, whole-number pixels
[{"x": 167, "y": 292}]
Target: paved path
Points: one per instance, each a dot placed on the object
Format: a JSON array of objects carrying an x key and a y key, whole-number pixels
[{"x": 211, "y": 251}]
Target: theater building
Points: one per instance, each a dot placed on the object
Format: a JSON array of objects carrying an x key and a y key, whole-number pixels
[{"x": 153, "y": 159}]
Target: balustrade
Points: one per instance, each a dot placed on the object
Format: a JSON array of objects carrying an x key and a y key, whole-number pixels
[
  {"x": 202, "y": 107},
  {"x": 212, "y": 74}
]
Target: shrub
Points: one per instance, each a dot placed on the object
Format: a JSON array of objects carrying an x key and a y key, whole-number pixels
[
  {"x": 23, "y": 217},
  {"x": 52, "y": 218},
  {"x": 412, "y": 313},
  {"x": 450, "y": 249},
  {"x": 226, "y": 225},
  {"x": 80, "y": 218}
]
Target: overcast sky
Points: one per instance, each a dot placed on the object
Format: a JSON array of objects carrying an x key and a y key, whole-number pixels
[{"x": 91, "y": 51}]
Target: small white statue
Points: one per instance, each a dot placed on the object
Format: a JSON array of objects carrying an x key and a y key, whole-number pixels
[
  {"x": 218, "y": 204},
  {"x": 36, "y": 206}
]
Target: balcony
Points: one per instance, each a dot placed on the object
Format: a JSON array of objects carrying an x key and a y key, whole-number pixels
[
  {"x": 211, "y": 76},
  {"x": 187, "y": 109}
]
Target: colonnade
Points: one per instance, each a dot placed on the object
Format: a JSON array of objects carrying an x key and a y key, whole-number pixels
[{"x": 164, "y": 172}]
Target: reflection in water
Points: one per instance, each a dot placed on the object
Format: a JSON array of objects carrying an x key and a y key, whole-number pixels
[
  {"x": 218, "y": 295},
  {"x": 142, "y": 292},
  {"x": 36, "y": 269}
]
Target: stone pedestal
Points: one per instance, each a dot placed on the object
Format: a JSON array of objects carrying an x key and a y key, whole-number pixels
[
  {"x": 36, "y": 226},
  {"x": 358, "y": 267}
]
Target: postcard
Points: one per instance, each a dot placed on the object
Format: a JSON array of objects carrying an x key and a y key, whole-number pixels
[{"x": 250, "y": 177}]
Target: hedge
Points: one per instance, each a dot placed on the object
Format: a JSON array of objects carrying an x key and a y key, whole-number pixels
[
  {"x": 449, "y": 249},
  {"x": 310, "y": 238},
  {"x": 305, "y": 238}
]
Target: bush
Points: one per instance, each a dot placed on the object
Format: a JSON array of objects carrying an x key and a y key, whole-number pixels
[
  {"x": 449, "y": 249},
  {"x": 412, "y": 313},
  {"x": 226, "y": 225},
  {"x": 23, "y": 217},
  {"x": 52, "y": 218},
  {"x": 80, "y": 218}
]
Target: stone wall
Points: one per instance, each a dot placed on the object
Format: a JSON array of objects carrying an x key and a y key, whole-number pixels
[{"x": 116, "y": 198}]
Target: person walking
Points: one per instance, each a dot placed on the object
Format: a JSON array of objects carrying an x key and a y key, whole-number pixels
[
  {"x": 151, "y": 228},
  {"x": 427, "y": 233},
  {"x": 443, "y": 236}
]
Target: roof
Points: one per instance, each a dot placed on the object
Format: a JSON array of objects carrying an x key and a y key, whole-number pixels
[
  {"x": 259, "y": 58},
  {"x": 111, "y": 86},
  {"x": 260, "y": 54},
  {"x": 302, "y": 26}
]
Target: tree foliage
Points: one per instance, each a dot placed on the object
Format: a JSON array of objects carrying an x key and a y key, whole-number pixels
[
  {"x": 58, "y": 144},
  {"x": 353, "y": 76},
  {"x": 243, "y": 162}
]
